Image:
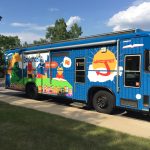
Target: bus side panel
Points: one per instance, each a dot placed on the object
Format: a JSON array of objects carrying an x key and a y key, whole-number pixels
[
  {"x": 36, "y": 70},
  {"x": 62, "y": 75},
  {"x": 100, "y": 69}
]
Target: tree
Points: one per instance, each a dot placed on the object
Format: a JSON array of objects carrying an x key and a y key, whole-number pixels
[
  {"x": 75, "y": 31},
  {"x": 9, "y": 42},
  {"x": 41, "y": 41},
  {"x": 25, "y": 44},
  {"x": 59, "y": 31}
]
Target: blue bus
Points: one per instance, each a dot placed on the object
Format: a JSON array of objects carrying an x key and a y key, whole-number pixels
[{"x": 104, "y": 71}]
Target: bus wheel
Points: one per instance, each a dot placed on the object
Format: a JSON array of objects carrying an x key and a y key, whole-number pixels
[
  {"x": 103, "y": 102},
  {"x": 31, "y": 91}
]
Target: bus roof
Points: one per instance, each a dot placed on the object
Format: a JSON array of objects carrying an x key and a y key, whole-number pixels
[{"x": 86, "y": 40}]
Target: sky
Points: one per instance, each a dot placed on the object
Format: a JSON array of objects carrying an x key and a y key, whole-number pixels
[{"x": 29, "y": 19}]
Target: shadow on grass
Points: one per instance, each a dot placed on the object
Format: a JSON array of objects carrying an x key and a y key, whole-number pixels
[
  {"x": 15, "y": 95},
  {"x": 25, "y": 129}
]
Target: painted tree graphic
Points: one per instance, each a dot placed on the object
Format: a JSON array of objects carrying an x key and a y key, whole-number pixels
[{"x": 16, "y": 73}]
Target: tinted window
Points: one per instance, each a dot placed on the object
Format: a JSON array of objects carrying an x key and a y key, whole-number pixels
[
  {"x": 132, "y": 79},
  {"x": 80, "y": 70},
  {"x": 80, "y": 64},
  {"x": 132, "y": 63},
  {"x": 132, "y": 71}
]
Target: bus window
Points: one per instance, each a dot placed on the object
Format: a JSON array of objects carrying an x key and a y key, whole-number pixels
[
  {"x": 132, "y": 71},
  {"x": 80, "y": 70},
  {"x": 147, "y": 61}
]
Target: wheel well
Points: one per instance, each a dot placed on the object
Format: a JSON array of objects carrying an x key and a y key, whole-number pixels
[{"x": 94, "y": 90}]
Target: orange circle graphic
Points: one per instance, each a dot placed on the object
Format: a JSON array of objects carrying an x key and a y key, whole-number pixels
[{"x": 105, "y": 60}]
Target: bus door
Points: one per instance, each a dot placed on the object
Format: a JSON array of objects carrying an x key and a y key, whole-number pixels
[
  {"x": 146, "y": 80},
  {"x": 130, "y": 82},
  {"x": 79, "y": 78}
]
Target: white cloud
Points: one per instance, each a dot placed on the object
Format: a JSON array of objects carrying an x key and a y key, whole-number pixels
[
  {"x": 53, "y": 9},
  {"x": 25, "y": 36},
  {"x": 136, "y": 16},
  {"x": 72, "y": 20},
  {"x": 29, "y": 26},
  {"x": 137, "y": 2},
  {"x": 94, "y": 77}
]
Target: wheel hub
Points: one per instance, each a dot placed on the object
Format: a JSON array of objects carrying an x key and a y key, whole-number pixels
[{"x": 102, "y": 101}]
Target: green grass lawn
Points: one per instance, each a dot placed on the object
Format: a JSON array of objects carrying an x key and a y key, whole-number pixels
[{"x": 25, "y": 129}]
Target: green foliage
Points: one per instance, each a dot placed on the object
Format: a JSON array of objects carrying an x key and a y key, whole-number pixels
[
  {"x": 35, "y": 42},
  {"x": 8, "y": 42},
  {"x": 75, "y": 31},
  {"x": 41, "y": 41},
  {"x": 59, "y": 31},
  {"x": 25, "y": 44}
]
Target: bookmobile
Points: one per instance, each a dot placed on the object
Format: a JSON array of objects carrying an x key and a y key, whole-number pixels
[{"x": 104, "y": 71}]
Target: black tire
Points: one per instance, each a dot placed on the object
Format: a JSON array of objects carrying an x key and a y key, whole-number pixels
[
  {"x": 103, "y": 102},
  {"x": 32, "y": 91}
]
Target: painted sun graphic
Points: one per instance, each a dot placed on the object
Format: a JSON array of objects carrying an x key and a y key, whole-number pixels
[
  {"x": 105, "y": 60},
  {"x": 103, "y": 67}
]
